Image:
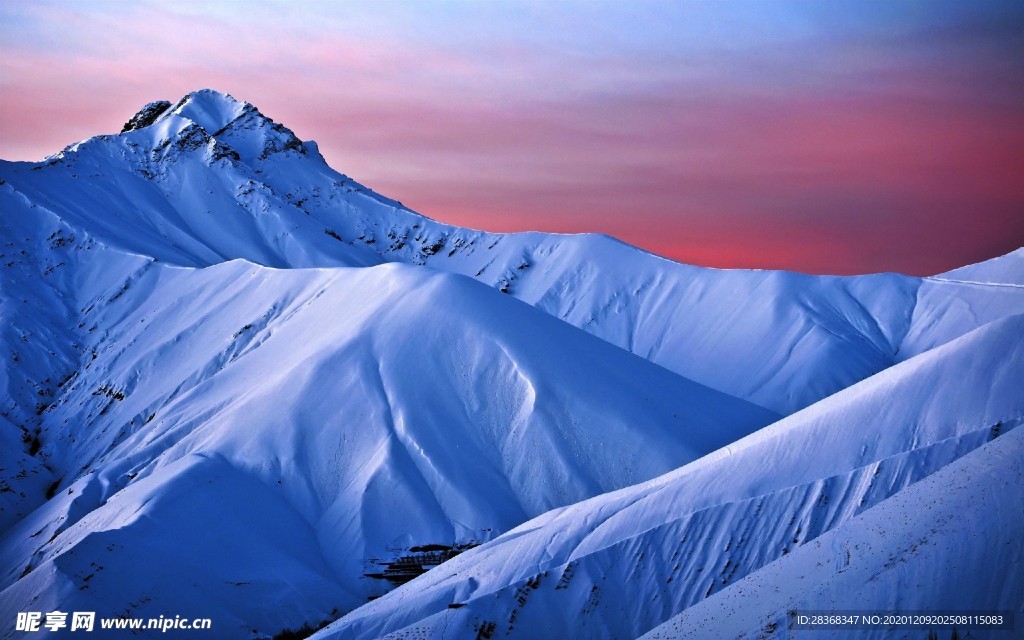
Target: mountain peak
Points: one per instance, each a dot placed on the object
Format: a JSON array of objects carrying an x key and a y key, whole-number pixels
[
  {"x": 210, "y": 109},
  {"x": 241, "y": 131}
]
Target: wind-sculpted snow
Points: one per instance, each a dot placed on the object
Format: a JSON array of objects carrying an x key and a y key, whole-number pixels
[
  {"x": 949, "y": 543},
  {"x": 367, "y": 410},
  {"x": 618, "y": 565},
  {"x": 48, "y": 268},
  {"x": 212, "y": 179}
]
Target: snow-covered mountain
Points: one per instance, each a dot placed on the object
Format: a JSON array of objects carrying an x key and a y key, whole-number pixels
[
  {"x": 333, "y": 416},
  {"x": 620, "y": 564},
  {"x": 210, "y": 179},
  {"x": 241, "y": 385}
]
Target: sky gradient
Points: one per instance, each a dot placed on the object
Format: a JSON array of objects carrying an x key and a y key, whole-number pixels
[{"x": 822, "y": 137}]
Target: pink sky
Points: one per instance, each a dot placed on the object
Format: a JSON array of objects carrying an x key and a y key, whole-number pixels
[{"x": 818, "y": 137}]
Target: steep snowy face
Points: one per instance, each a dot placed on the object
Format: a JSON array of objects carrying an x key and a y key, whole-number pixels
[
  {"x": 948, "y": 543},
  {"x": 239, "y": 130},
  {"x": 211, "y": 179},
  {"x": 620, "y": 564},
  {"x": 211, "y": 110},
  {"x": 46, "y": 268}
]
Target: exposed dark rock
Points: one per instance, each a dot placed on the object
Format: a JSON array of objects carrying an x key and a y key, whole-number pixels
[
  {"x": 416, "y": 562},
  {"x": 221, "y": 151},
  {"x": 146, "y": 116},
  {"x": 191, "y": 137}
]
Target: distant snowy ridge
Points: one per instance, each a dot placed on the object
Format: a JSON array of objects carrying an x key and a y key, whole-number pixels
[
  {"x": 211, "y": 179},
  {"x": 1004, "y": 270}
]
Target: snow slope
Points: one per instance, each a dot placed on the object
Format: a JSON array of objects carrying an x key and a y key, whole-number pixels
[
  {"x": 321, "y": 418},
  {"x": 211, "y": 179},
  {"x": 916, "y": 551},
  {"x": 1008, "y": 269},
  {"x": 618, "y": 565}
]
